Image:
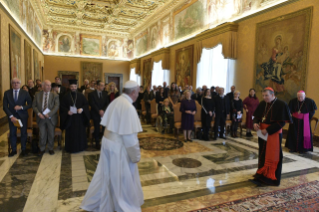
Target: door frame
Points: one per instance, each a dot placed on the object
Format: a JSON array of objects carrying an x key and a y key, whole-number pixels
[
  {"x": 107, "y": 75},
  {"x": 75, "y": 73}
]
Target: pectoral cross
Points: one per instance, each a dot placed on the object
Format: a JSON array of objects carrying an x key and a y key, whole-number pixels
[{"x": 263, "y": 119}]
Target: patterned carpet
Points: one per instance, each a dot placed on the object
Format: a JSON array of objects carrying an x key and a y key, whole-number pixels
[
  {"x": 304, "y": 197},
  {"x": 160, "y": 143}
]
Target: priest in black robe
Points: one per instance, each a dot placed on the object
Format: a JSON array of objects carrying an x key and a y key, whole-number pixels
[
  {"x": 269, "y": 119},
  {"x": 75, "y": 117},
  {"x": 299, "y": 138}
]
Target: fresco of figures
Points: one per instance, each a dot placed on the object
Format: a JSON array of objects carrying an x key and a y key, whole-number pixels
[{"x": 24, "y": 13}]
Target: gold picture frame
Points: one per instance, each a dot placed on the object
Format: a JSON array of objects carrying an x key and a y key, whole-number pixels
[{"x": 15, "y": 53}]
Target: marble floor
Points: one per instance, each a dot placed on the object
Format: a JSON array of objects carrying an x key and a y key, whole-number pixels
[{"x": 175, "y": 176}]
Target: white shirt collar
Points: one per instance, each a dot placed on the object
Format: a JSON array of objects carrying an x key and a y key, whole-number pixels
[
  {"x": 16, "y": 90},
  {"x": 128, "y": 98}
]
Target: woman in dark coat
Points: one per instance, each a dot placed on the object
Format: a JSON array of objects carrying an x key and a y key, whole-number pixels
[
  {"x": 188, "y": 109},
  {"x": 159, "y": 100},
  {"x": 207, "y": 113},
  {"x": 236, "y": 112}
]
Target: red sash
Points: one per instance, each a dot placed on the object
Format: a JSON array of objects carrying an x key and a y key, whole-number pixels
[{"x": 272, "y": 154}]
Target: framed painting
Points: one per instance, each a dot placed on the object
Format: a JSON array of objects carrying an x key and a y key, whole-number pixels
[
  {"x": 27, "y": 61},
  {"x": 91, "y": 71},
  {"x": 91, "y": 45},
  {"x": 281, "y": 54},
  {"x": 15, "y": 53},
  {"x": 141, "y": 43},
  {"x": 36, "y": 65},
  {"x": 184, "y": 65},
  {"x": 147, "y": 72},
  {"x": 1, "y": 102},
  {"x": 64, "y": 44},
  {"x": 189, "y": 19}
]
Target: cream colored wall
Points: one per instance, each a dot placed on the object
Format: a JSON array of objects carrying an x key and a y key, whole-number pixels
[
  {"x": 5, "y": 61},
  {"x": 246, "y": 49},
  {"x": 53, "y": 64}
]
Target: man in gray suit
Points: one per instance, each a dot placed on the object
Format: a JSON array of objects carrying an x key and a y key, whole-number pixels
[{"x": 46, "y": 105}]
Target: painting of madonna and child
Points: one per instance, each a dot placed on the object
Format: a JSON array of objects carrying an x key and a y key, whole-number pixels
[{"x": 281, "y": 54}]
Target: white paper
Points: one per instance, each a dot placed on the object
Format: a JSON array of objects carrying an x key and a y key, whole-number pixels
[
  {"x": 20, "y": 123},
  {"x": 239, "y": 116},
  {"x": 260, "y": 135},
  {"x": 74, "y": 110},
  {"x": 253, "y": 117},
  {"x": 46, "y": 111}
]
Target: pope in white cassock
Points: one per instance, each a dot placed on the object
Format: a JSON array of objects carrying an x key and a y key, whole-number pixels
[{"x": 116, "y": 183}]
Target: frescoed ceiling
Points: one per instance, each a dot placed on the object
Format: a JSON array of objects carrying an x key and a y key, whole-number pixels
[{"x": 117, "y": 16}]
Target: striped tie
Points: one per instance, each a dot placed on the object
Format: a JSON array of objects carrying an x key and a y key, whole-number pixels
[{"x": 45, "y": 101}]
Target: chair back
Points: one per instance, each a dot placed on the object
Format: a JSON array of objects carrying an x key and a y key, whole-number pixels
[
  {"x": 314, "y": 124},
  {"x": 198, "y": 114},
  {"x": 153, "y": 107},
  {"x": 177, "y": 113},
  {"x": 143, "y": 105},
  {"x": 30, "y": 118},
  {"x": 58, "y": 124}
]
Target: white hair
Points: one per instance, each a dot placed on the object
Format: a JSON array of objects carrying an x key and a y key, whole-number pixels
[{"x": 15, "y": 79}]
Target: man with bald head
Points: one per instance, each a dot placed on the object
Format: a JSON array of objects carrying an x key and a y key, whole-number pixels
[
  {"x": 46, "y": 105},
  {"x": 299, "y": 137}
]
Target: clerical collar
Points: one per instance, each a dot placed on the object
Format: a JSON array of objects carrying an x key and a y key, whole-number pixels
[{"x": 127, "y": 97}]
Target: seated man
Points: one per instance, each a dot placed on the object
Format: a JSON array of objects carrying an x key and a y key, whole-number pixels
[{"x": 167, "y": 115}]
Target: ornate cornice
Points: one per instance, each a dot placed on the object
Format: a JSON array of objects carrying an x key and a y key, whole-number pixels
[{"x": 227, "y": 27}]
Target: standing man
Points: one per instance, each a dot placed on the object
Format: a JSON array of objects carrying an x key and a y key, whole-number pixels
[
  {"x": 62, "y": 89},
  {"x": 38, "y": 84},
  {"x": 269, "y": 119},
  {"x": 75, "y": 117},
  {"x": 90, "y": 89},
  {"x": 98, "y": 100},
  {"x": 299, "y": 138},
  {"x": 222, "y": 108},
  {"x": 166, "y": 90},
  {"x": 116, "y": 183},
  {"x": 46, "y": 105},
  {"x": 84, "y": 86},
  {"x": 16, "y": 103},
  {"x": 32, "y": 89},
  {"x": 230, "y": 95},
  {"x": 212, "y": 92}
]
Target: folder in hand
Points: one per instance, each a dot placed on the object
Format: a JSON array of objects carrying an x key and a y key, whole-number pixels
[{"x": 18, "y": 123}]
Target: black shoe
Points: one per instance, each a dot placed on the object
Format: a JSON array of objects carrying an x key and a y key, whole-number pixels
[
  {"x": 249, "y": 135},
  {"x": 190, "y": 140},
  {"x": 215, "y": 138},
  {"x": 222, "y": 137},
  {"x": 24, "y": 153},
  {"x": 185, "y": 141},
  {"x": 12, "y": 153},
  {"x": 51, "y": 152},
  {"x": 41, "y": 153},
  {"x": 255, "y": 181}
]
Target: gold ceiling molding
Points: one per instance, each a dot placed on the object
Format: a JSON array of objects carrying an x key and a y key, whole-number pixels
[
  {"x": 131, "y": 14},
  {"x": 62, "y": 12},
  {"x": 98, "y": 9},
  {"x": 89, "y": 24},
  {"x": 70, "y": 4},
  {"x": 95, "y": 19}
]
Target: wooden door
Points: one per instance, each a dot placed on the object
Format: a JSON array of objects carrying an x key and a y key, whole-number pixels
[
  {"x": 116, "y": 80},
  {"x": 66, "y": 78}
]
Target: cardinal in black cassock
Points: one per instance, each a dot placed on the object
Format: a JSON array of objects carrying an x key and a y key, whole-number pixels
[
  {"x": 299, "y": 137},
  {"x": 75, "y": 123},
  {"x": 270, "y": 117}
]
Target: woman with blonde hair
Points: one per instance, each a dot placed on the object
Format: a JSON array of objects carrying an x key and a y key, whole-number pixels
[
  {"x": 112, "y": 92},
  {"x": 237, "y": 113}
]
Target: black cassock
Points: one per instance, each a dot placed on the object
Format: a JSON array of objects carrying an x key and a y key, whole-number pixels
[
  {"x": 76, "y": 124},
  {"x": 277, "y": 116},
  {"x": 295, "y": 136}
]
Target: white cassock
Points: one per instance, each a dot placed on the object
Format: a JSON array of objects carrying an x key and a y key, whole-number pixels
[{"x": 116, "y": 183}]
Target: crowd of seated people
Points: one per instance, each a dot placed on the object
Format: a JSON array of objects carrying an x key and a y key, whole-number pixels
[{"x": 216, "y": 106}]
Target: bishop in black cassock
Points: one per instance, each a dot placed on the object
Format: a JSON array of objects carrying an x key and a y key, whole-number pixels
[
  {"x": 299, "y": 138},
  {"x": 270, "y": 117},
  {"x": 75, "y": 124}
]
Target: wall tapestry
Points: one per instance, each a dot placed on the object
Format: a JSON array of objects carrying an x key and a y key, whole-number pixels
[
  {"x": 184, "y": 66},
  {"x": 36, "y": 65},
  {"x": 281, "y": 54},
  {"x": 141, "y": 43},
  {"x": 15, "y": 53},
  {"x": 147, "y": 72},
  {"x": 27, "y": 61},
  {"x": 91, "y": 71}
]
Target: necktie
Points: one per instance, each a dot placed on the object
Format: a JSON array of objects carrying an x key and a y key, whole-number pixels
[
  {"x": 45, "y": 101},
  {"x": 15, "y": 96}
]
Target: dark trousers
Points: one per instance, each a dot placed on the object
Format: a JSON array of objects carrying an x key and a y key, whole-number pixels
[
  {"x": 220, "y": 121},
  {"x": 234, "y": 126},
  {"x": 97, "y": 131},
  {"x": 148, "y": 112},
  {"x": 13, "y": 133},
  {"x": 206, "y": 124}
]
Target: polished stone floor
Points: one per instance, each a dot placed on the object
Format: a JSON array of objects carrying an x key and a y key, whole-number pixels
[{"x": 175, "y": 176}]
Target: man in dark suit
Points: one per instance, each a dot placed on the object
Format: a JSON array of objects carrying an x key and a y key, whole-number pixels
[
  {"x": 230, "y": 95},
  {"x": 46, "y": 105},
  {"x": 16, "y": 103},
  {"x": 198, "y": 95},
  {"x": 98, "y": 100},
  {"x": 213, "y": 93},
  {"x": 32, "y": 89},
  {"x": 62, "y": 89},
  {"x": 222, "y": 106},
  {"x": 166, "y": 89},
  {"x": 84, "y": 86}
]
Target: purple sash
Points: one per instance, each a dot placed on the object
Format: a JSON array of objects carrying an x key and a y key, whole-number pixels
[{"x": 306, "y": 128}]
